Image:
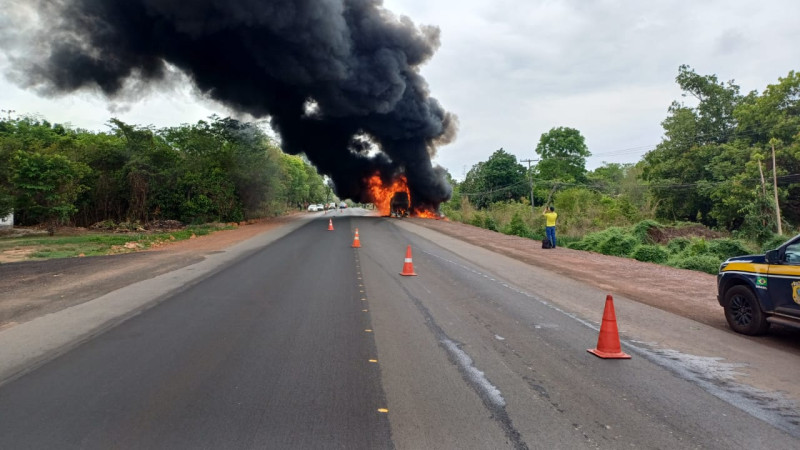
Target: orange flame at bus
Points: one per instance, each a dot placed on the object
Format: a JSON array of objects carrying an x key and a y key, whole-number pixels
[
  {"x": 382, "y": 194},
  {"x": 427, "y": 215}
]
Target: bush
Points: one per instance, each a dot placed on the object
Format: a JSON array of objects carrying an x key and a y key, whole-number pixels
[
  {"x": 642, "y": 230},
  {"x": 577, "y": 245},
  {"x": 489, "y": 223},
  {"x": 518, "y": 227},
  {"x": 774, "y": 242},
  {"x": 650, "y": 253},
  {"x": 581, "y": 211},
  {"x": 678, "y": 245},
  {"x": 476, "y": 220},
  {"x": 452, "y": 214},
  {"x": 617, "y": 243},
  {"x": 483, "y": 220},
  {"x": 591, "y": 242},
  {"x": 701, "y": 263},
  {"x": 697, "y": 246},
  {"x": 725, "y": 248},
  {"x": 758, "y": 220},
  {"x": 104, "y": 225}
]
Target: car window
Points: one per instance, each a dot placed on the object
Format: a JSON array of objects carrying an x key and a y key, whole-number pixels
[{"x": 793, "y": 253}]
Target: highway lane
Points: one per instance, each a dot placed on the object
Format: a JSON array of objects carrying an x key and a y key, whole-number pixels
[
  {"x": 271, "y": 352},
  {"x": 275, "y": 352},
  {"x": 526, "y": 362}
]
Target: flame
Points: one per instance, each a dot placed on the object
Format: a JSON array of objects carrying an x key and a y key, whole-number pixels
[
  {"x": 427, "y": 215},
  {"x": 381, "y": 194}
]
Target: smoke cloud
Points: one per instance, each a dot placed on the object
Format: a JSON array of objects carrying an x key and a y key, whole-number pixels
[{"x": 335, "y": 77}]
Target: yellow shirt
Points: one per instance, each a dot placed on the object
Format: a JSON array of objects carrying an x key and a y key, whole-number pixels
[{"x": 550, "y": 218}]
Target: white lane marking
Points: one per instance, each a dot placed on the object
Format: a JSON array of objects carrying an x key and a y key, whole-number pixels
[
  {"x": 715, "y": 377},
  {"x": 477, "y": 377}
]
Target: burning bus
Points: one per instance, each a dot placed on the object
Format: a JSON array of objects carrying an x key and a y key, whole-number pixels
[
  {"x": 394, "y": 198},
  {"x": 400, "y": 205}
]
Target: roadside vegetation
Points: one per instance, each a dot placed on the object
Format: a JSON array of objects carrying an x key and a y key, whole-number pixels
[
  {"x": 219, "y": 170},
  {"x": 724, "y": 181},
  {"x": 728, "y": 166},
  {"x": 19, "y": 246},
  {"x": 116, "y": 185}
]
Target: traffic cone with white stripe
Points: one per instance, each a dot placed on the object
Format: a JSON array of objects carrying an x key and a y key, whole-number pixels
[
  {"x": 608, "y": 345},
  {"x": 330, "y": 224},
  {"x": 356, "y": 240},
  {"x": 408, "y": 265}
]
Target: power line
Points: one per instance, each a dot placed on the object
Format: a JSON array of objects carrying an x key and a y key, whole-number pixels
[
  {"x": 698, "y": 138},
  {"x": 785, "y": 178}
]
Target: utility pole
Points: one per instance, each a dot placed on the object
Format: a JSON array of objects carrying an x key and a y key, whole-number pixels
[
  {"x": 530, "y": 176},
  {"x": 775, "y": 188}
]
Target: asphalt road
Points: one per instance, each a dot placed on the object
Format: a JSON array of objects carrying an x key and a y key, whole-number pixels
[{"x": 309, "y": 343}]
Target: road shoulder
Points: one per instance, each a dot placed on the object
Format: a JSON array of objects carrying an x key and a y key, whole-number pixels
[{"x": 24, "y": 346}]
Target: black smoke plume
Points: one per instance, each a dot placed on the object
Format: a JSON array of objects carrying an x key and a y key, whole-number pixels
[{"x": 336, "y": 78}]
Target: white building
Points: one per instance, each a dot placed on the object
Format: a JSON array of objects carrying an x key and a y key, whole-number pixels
[{"x": 7, "y": 221}]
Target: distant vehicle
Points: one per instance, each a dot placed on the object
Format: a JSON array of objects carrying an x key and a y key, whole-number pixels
[
  {"x": 342, "y": 205},
  {"x": 758, "y": 290},
  {"x": 320, "y": 207},
  {"x": 312, "y": 207},
  {"x": 332, "y": 205},
  {"x": 399, "y": 205}
]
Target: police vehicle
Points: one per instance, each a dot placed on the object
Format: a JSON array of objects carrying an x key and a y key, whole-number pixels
[{"x": 758, "y": 290}]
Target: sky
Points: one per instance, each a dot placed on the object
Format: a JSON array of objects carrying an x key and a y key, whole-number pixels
[{"x": 512, "y": 70}]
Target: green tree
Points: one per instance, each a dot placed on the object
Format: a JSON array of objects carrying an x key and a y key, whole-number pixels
[
  {"x": 499, "y": 178},
  {"x": 6, "y": 201},
  {"x": 26, "y": 134},
  {"x": 679, "y": 169},
  {"x": 776, "y": 115},
  {"x": 296, "y": 180},
  {"x": 105, "y": 186},
  {"x": 609, "y": 177},
  {"x": 151, "y": 173},
  {"x": 563, "y": 154},
  {"x": 228, "y": 170},
  {"x": 714, "y": 113},
  {"x": 454, "y": 204},
  {"x": 316, "y": 185},
  {"x": 46, "y": 187},
  {"x": 622, "y": 182},
  {"x": 7, "y": 150}
]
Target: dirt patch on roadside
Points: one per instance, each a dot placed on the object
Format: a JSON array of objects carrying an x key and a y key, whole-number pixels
[
  {"x": 662, "y": 235},
  {"x": 15, "y": 255}
]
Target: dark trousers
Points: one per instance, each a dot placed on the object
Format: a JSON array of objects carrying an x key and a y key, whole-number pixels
[{"x": 550, "y": 232}]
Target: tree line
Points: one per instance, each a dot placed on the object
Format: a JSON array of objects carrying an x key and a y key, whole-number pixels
[
  {"x": 727, "y": 160},
  {"x": 216, "y": 170}
]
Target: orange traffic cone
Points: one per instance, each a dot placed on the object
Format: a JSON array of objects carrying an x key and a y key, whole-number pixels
[
  {"x": 408, "y": 266},
  {"x": 608, "y": 345},
  {"x": 330, "y": 224},
  {"x": 356, "y": 240}
]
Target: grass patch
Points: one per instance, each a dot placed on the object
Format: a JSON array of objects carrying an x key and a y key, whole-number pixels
[{"x": 99, "y": 243}]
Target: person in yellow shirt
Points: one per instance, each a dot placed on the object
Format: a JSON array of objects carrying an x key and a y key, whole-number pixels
[{"x": 550, "y": 224}]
